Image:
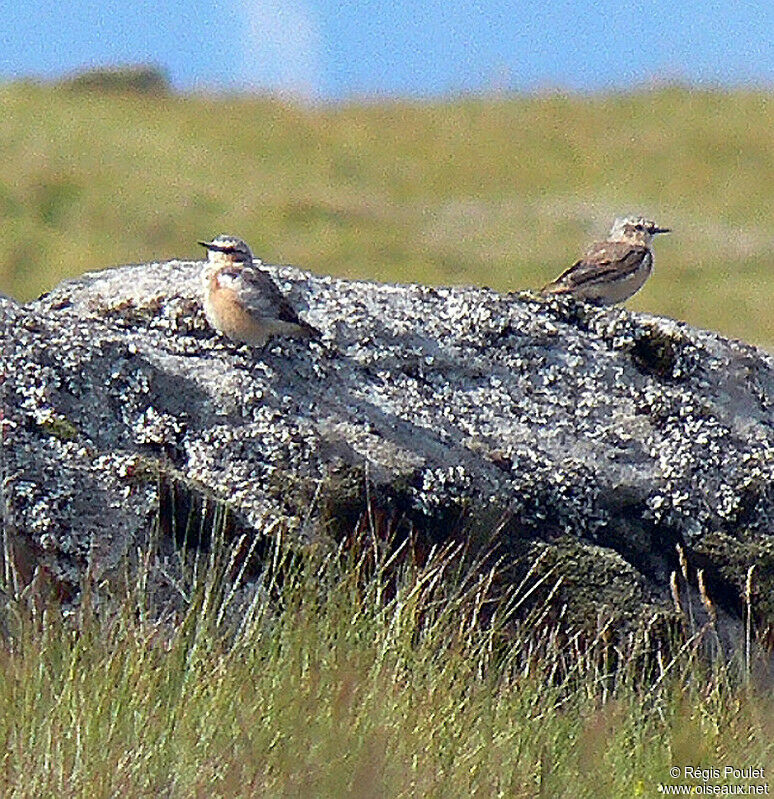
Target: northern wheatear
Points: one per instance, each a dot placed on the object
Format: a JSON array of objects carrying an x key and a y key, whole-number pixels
[
  {"x": 241, "y": 300},
  {"x": 612, "y": 270}
]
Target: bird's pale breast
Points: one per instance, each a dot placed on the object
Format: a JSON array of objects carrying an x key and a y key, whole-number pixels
[{"x": 227, "y": 314}]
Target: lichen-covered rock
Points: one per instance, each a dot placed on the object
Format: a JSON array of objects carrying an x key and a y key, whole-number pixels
[{"x": 425, "y": 409}]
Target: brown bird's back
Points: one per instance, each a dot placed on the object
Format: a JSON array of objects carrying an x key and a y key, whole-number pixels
[{"x": 612, "y": 270}]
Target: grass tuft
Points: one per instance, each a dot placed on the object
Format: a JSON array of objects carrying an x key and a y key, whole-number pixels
[{"x": 365, "y": 675}]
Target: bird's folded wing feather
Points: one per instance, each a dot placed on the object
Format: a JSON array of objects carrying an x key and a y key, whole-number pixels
[
  {"x": 604, "y": 260},
  {"x": 262, "y": 297}
]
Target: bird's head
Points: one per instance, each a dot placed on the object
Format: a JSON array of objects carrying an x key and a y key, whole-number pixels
[
  {"x": 635, "y": 229},
  {"x": 225, "y": 250}
]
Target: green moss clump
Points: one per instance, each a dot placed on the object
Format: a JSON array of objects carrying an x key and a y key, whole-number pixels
[
  {"x": 60, "y": 427},
  {"x": 657, "y": 352}
]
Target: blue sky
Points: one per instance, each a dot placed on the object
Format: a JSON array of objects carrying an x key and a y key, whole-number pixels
[{"x": 332, "y": 49}]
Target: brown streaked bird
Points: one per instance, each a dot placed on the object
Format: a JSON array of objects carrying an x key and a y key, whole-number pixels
[
  {"x": 615, "y": 269},
  {"x": 241, "y": 300}
]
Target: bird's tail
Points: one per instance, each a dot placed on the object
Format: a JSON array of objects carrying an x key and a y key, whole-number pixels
[{"x": 554, "y": 288}]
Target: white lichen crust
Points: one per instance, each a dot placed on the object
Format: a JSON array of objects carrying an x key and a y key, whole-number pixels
[{"x": 627, "y": 432}]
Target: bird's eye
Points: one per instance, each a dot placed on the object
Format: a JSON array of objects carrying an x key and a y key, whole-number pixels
[{"x": 639, "y": 227}]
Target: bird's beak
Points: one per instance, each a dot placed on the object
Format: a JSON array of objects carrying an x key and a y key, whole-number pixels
[
  {"x": 661, "y": 230},
  {"x": 210, "y": 245}
]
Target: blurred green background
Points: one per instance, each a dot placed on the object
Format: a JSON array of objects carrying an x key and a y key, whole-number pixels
[{"x": 497, "y": 191}]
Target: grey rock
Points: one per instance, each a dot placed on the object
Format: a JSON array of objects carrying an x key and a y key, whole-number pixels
[{"x": 603, "y": 437}]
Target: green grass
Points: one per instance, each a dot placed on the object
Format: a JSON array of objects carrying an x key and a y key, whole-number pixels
[
  {"x": 349, "y": 684},
  {"x": 502, "y": 192}
]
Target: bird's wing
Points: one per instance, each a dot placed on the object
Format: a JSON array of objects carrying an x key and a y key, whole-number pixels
[
  {"x": 260, "y": 294},
  {"x": 603, "y": 260}
]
